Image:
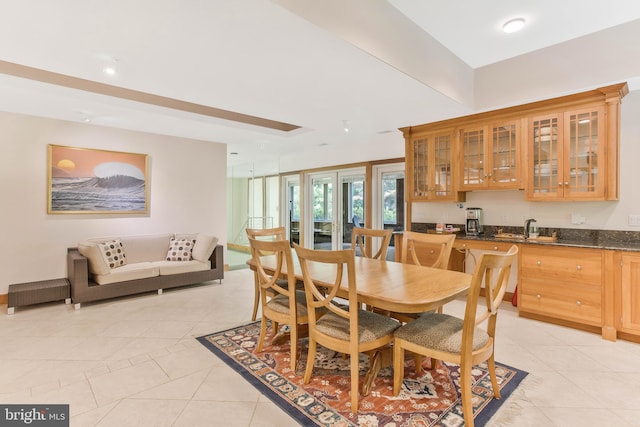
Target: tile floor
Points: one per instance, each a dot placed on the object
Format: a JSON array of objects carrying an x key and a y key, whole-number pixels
[{"x": 135, "y": 362}]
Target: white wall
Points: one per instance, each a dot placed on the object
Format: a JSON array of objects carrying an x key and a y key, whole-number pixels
[
  {"x": 509, "y": 207},
  {"x": 187, "y": 193}
]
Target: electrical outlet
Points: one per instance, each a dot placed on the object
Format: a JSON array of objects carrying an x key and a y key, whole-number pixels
[
  {"x": 634, "y": 220},
  {"x": 577, "y": 219}
]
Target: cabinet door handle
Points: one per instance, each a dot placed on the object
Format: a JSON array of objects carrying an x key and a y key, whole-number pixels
[
  {"x": 578, "y": 267},
  {"x": 539, "y": 262},
  {"x": 495, "y": 248},
  {"x": 432, "y": 251},
  {"x": 538, "y": 296},
  {"x": 566, "y": 183},
  {"x": 578, "y": 302}
]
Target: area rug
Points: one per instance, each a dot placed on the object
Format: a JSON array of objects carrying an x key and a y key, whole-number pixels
[{"x": 431, "y": 399}]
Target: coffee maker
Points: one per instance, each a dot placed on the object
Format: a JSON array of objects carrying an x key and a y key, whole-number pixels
[{"x": 474, "y": 221}]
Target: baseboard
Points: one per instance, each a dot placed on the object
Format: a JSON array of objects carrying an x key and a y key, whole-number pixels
[
  {"x": 561, "y": 322},
  {"x": 628, "y": 337},
  {"x": 4, "y": 298}
]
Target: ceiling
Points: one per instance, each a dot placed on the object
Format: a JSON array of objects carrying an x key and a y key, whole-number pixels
[{"x": 372, "y": 65}]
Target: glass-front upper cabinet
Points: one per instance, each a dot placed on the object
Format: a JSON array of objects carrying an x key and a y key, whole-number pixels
[
  {"x": 431, "y": 166},
  {"x": 565, "y": 157},
  {"x": 491, "y": 157}
]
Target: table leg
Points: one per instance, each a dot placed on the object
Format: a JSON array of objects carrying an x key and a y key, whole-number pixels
[
  {"x": 379, "y": 359},
  {"x": 283, "y": 335}
]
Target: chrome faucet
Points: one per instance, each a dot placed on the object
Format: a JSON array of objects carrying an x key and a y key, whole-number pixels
[{"x": 527, "y": 226}]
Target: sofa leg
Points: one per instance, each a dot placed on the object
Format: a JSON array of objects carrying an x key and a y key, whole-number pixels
[
  {"x": 159, "y": 291},
  {"x": 11, "y": 310},
  {"x": 77, "y": 306}
]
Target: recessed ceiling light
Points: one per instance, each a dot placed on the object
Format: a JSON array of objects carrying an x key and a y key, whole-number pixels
[
  {"x": 513, "y": 25},
  {"x": 111, "y": 68}
]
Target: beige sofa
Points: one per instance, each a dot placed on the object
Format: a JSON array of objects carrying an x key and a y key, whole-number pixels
[{"x": 111, "y": 267}]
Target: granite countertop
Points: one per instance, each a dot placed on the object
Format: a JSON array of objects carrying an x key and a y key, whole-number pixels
[{"x": 598, "y": 239}]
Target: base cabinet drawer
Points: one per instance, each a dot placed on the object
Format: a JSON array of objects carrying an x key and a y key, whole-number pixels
[
  {"x": 563, "y": 265},
  {"x": 573, "y": 302}
]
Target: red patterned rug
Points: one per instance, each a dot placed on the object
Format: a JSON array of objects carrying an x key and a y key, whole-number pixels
[{"x": 431, "y": 399}]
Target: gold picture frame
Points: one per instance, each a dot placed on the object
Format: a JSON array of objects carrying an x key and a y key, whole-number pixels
[{"x": 93, "y": 181}]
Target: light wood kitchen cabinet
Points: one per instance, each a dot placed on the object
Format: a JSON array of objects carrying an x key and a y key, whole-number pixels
[
  {"x": 490, "y": 157},
  {"x": 562, "y": 283},
  {"x": 627, "y": 290},
  {"x": 431, "y": 167},
  {"x": 561, "y": 149},
  {"x": 567, "y": 156}
]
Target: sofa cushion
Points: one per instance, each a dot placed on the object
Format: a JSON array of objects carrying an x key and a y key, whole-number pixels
[
  {"x": 139, "y": 270},
  {"x": 177, "y": 267},
  {"x": 97, "y": 263},
  {"x": 204, "y": 247},
  {"x": 180, "y": 250},
  {"x": 146, "y": 248},
  {"x": 113, "y": 253}
]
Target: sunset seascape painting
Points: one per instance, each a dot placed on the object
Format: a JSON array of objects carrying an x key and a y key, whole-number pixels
[{"x": 83, "y": 180}]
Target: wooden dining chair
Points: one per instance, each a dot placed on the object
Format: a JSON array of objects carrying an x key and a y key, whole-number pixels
[
  {"x": 344, "y": 328},
  {"x": 280, "y": 304},
  {"x": 432, "y": 250},
  {"x": 461, "y": 341},
  {"x": 277, "y": 233},
  {"x": 362, "y": 242}
]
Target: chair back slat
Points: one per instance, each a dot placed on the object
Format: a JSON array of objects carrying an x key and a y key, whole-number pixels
[
  {"x": 268, "y": 280},
  {"x": 415, "y": 244},
  {"x": 362, "y": 241},
  {"x": 329, "y": 267},
  {"x": 493, "y": 269}
]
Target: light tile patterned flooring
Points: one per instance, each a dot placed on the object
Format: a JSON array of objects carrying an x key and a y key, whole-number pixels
[{"x": 134, "y": 362}]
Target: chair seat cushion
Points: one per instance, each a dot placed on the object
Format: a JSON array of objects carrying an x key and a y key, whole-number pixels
[
  {"x": 439, "y": 332},
  {"x": 371, "y": 326},
  {"x": 280, "y": 304}
]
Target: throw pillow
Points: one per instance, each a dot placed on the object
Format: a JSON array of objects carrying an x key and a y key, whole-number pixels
[
  {"x": 180, "y": 249},
  {"x": 113, "y": 253}
]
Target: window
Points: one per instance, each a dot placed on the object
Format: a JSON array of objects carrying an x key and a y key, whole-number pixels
[
  {"x": 355, "y": 200},
  {"x": 391, "y": 186},
  {"x": 322, "y": 199}
]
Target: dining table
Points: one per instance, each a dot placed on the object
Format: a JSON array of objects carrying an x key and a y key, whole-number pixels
[{"x": 388, "y": 286}]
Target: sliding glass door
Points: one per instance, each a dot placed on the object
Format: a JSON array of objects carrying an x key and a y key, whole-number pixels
[
  {"x": 293, "y": 207},
  {"x": 388, "y": 200},
  {"x": 334, "y": 198}
]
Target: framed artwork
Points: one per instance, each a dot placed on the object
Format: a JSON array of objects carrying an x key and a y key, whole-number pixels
[{"x": 86, "y": 180}]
